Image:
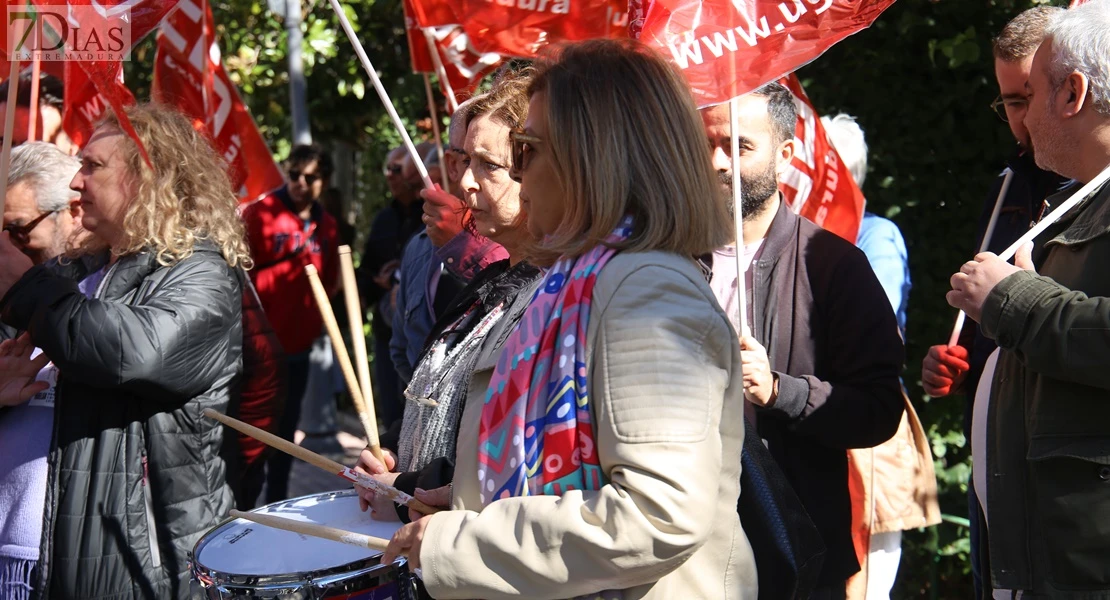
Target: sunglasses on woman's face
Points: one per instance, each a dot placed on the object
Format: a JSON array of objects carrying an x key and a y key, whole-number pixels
[
  {"x": 22, "y": 233},
  {"x": 309, "y": 178},
  {"x": 522, "y": 148}
]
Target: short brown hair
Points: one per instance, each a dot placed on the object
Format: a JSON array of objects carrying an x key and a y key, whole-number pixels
[
  {"x": 626, "y": 138},
  {"x": 1021, "y": 37},
  {"x": 506, "y": 102}
]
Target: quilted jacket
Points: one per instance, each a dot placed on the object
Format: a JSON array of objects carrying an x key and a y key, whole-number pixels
[{"x": 135, "y": 477}]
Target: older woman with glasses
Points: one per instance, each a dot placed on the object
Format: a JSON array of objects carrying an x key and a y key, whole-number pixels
[
  {"x": 603, "y": 458},
  {"x": 477, "y": 322}
]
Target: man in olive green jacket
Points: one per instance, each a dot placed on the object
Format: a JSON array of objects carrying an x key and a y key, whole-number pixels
[{"x": 1045, "y": 432}]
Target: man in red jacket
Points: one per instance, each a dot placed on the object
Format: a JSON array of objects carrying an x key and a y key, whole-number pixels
[{"x": 287, "y": 230}]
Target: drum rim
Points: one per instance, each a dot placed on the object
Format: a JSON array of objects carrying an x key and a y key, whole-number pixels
[{"x": 222, "y": 578}]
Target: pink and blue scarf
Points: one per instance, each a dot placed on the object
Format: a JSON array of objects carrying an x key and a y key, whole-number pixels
[{"x": 536, "y": 437}]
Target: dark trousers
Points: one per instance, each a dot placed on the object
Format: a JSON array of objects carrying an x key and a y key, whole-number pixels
[
  {"x": 279, "y": 464},
  {"x": 388, "y": 398},
  {"x": 836, "y": 591}
]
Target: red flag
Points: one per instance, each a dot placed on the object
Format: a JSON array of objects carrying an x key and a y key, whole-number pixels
[
  {"x": 463, "y": 65},
  {"x": 85, "y": 104},
  {"x": 727, "y": 48},
  {"x": 522, "y": 27},
  {"x": 431, "y": 13},
  {"x": 818, "y": 185},
  {"x": 189, "y": 75},
  {"x": 104, "y": 75}
]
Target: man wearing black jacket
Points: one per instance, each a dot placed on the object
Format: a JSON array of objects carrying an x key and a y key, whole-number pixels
[{"x": 822, "y": 358}]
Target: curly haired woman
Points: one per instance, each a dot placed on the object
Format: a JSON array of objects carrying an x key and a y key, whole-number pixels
[{"x": 145, "y": 333}]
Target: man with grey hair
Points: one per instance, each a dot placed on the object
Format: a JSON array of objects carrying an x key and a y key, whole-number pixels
[
  {"x": 1041, "y": 428},
  {"x": 42, "y": 217},
  {"x": 41, "y": 213}
]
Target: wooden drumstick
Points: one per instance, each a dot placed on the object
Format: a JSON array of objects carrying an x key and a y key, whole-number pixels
[
  {"x": 358, "y": 339},
  {"x": 322, "y": 462},
  {"x": 321, "y": 531},
  {"x": 369, "y": 422}
]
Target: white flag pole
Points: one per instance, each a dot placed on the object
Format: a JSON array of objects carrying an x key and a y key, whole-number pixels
[
  {"x": 441, "y": 72},
  {"x": 738, "y": 214},
  {"x": 987, "y": 235},
  {"x": 435, "y": 129},
  {"x": 361, "y": 52},
  {"x": 1055, "y": 215}
]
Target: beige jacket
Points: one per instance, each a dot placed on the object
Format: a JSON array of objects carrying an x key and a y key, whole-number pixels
[
  {"x": 893, "y": 488},
  {"x": 667, "y": 404}
]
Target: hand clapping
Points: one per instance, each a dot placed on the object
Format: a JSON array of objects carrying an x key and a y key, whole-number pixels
[{"x": 18, "y": 371}]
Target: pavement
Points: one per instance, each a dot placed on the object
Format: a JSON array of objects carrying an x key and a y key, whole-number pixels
[{"x": 343, "y": 447}]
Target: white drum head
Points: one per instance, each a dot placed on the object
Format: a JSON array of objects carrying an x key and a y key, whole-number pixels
[{"x": 242, "y": 547}]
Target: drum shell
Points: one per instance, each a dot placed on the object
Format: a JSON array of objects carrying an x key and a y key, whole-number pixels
[{"x": 364, "y": 579}]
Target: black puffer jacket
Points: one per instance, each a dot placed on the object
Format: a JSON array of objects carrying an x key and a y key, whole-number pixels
[{"x": 135, "y": 477}]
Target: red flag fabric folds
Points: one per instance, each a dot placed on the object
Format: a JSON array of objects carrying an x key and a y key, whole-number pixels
[
  {"x": 818, "y": 185},
  {"x": 106, "y": 76},
  {"x": 727, "y": 48},
  {"x": 189, "y": 75},
  {"x": 522, "y": 27},
  {"x": 463, "y": 64}
]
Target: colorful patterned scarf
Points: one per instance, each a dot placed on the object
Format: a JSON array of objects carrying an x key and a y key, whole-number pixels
[{"x": 535, "y": 436}]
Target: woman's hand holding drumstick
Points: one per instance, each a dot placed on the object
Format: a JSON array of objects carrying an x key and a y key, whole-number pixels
[{"x": 408, "y": 539}]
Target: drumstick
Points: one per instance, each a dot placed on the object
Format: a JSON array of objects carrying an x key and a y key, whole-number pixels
[
  {"x": 320, "y": 531},
  {"x": 358, "y": 338},
  {"x": 322, "y": 462},
  {"x": 340, "y": 348}
]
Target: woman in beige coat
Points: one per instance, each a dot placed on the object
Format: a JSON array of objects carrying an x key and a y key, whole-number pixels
[{"x": 599, "y": 452}]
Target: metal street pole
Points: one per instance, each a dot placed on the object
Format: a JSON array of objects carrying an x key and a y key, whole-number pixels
[{"x": 297, "y": 89}]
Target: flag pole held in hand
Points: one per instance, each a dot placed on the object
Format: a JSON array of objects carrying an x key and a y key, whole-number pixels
[
  {"x": 987, "y": 235},
  {"x": 1076, "y": 198}
]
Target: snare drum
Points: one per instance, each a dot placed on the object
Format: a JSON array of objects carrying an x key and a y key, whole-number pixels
[{"x": 242, "y": 559}]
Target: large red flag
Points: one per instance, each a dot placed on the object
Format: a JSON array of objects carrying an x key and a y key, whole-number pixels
[
  {"x": 522, "y": 27},
  {"x": 818, "y": 185},
  {"x": 463, "y": 65},
  {"x": 189, "y": 75},
  {"x": 104, "y": 75},
  {"x": 727, "y": 48}
]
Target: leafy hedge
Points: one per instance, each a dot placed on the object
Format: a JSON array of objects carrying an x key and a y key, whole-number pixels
[{"x": 920, "y": 81}]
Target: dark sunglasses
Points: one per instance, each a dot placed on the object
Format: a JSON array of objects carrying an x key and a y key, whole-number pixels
[
  {"x": 309, "y": 179},
  {"x": 522, "y": 148},
  {"x": 21, "y": 233},
  {"x": 393, "y": 169}
]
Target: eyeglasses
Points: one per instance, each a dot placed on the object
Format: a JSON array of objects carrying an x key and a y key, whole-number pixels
[
  {"x": 392, "y": 169},
  {"x": 21, "y": 233},
  {"x": 522, "y": 148},
  {"x": 1001, "y": 105},
  {"x": 309, "y": 178}
]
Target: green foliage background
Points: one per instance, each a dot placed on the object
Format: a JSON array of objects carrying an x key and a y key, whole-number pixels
[{"x": 919, "y": 81}]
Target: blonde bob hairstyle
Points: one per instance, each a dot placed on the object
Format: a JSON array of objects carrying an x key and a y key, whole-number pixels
[
  {"x": 185, "y": 198},
  {"x": 626, "y": 138}
]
